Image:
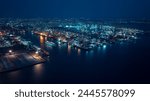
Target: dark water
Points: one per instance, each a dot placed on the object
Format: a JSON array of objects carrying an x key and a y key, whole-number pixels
[{"x": 127, "y": 62}]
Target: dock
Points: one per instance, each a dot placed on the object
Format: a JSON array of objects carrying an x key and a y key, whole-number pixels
[{"x": 18, "y": 61}]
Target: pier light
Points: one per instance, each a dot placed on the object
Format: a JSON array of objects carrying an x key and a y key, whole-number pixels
[
  {"x": 67, "y": 26},
  {"x": 36, "y": 52},
  {"x": 10, "y": 51},
  {"x": 104, "y": 46}
]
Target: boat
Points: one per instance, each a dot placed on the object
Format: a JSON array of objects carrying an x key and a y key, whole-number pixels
[
  {"x": 50, "y": 44},
  {"x": 86, "y": 48}
]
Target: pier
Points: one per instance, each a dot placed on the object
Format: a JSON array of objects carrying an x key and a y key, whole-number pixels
[{"x": 12, "y": 62}]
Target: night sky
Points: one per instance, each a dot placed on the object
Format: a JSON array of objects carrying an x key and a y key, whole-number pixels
[{"x": 75, "y": 8}]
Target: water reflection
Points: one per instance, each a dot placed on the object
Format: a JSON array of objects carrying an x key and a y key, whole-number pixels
[
  {"x": 91, "y": 53},
  {"x": 38, "y": 69},
  {"x": 69, "y": 49},
  {"x": 104, "y": 47},
  {"x": 15, "y": 74},
  {"x": 99, "y": 49},
  {"x": 79, "y": 52},
  {"x": 43, "y": 39}
]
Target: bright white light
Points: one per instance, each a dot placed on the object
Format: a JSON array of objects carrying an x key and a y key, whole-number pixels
[
  {"x": 59, "y": 42},
  {"x": 59, "y": 39},
  {"x": 36, "y": 52},
  {"x": 10, "y": 51},
  {"x": 104, "y": 46},
  {"x": 67, "y": 26}
]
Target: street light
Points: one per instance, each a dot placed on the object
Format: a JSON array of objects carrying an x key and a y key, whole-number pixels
[
  {"x": 36, "y": 52},
  {"x": 10, "y": 51}
]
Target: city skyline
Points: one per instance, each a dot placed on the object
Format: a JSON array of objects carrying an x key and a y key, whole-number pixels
[{"x": 74, "y": 41}]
